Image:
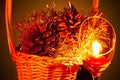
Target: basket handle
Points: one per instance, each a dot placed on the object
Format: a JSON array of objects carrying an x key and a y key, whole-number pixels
[
  {"x": 95, "y": 7},
  {"x": 8, "y": 20}
]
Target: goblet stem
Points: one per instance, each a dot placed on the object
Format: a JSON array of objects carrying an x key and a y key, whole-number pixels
[{"x": 96, "y": 78}]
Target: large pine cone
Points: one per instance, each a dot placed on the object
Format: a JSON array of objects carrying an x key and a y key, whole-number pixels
[{"x": 39, "y": 34}]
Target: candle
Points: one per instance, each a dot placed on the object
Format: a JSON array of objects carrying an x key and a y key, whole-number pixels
[
  {"x": 96, "y": 59},
  {"x": 96, "y": 65},
  {"x": 96, "y": 62}
]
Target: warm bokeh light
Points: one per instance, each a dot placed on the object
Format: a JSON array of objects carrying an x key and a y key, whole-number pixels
[{"x": 96, "y": 46}]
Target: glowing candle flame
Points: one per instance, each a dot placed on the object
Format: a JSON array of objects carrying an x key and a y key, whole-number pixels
[{"x": 96, "y": 48}]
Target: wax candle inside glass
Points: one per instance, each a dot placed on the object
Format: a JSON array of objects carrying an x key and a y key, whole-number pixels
[
  {"x": 96, "y": 62},
  {"x": 97, "y": 40}
]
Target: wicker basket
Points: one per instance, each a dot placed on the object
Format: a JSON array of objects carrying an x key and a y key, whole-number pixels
[{"x": 32, "y": 67}]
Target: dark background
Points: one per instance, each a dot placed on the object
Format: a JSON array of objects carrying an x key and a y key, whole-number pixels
[{"x": 111, "y": 8}]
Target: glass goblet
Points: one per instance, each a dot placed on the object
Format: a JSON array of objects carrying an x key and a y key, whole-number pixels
[{"x": 97, "y": 41}]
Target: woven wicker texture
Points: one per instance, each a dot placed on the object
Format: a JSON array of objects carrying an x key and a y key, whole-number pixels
[{"x": 32, "y": 67}]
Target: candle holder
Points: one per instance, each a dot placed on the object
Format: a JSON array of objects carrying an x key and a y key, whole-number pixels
[{"x": 97, "y": 41}]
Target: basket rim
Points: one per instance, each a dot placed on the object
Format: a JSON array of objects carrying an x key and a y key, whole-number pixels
[{"x": 20, "y": 56}]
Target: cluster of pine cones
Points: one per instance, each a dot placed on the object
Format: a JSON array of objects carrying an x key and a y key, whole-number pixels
[{"x": 43, "y": 32}]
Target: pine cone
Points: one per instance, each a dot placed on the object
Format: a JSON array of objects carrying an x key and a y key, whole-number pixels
[
  {"x": 43, "y": 32},
  {"x": 41, "y": 37},
  {"x": 69, "y": 24}
]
